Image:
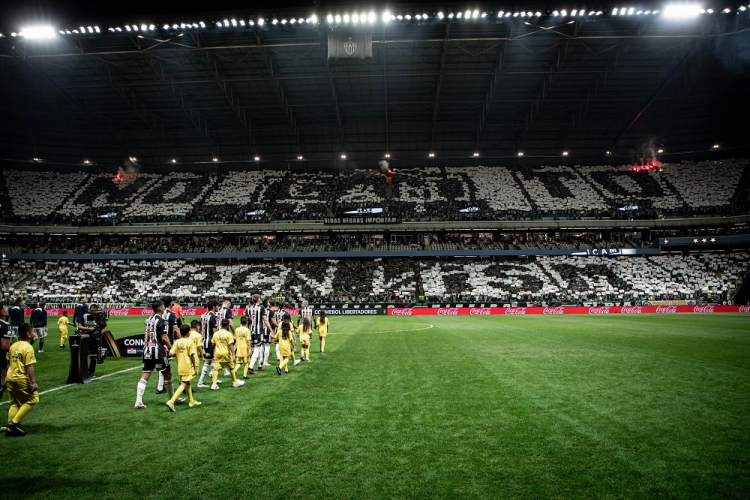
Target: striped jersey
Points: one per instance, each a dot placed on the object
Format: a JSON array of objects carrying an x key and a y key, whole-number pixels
[
  {"x": 255, "y": 322},
  {"x": 209, "y": 323},
  {"x": 155, "y": 327},
  {"x": 306, "y": 312}
]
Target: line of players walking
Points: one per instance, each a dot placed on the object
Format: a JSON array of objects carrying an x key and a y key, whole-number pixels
[{"x": 215, "y": 340}]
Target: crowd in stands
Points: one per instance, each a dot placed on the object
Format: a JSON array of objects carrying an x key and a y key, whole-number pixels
[
  {"x": 544, "y": 279},
  {"x": 434, "y": 193}
]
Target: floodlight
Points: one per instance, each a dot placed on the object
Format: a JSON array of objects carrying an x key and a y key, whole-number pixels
[
  {"x": 565, "y": 153},
  {"x": 257, "y": 158},
  {"x": 338, "y": 18},
  {"x": 299, "y": 157},
  {"x": 630, "y": 12},
  {"x": 440, "y": 15},
  {"x": 660, "y": 151},
  {"x": 520, "y": 153},
  {"x": 431, "y": 155},
  {"x": 346, "y": 18},
  {"x": 476, "y": 153},
  {"x": 38, "y": 32},
  {"x": 234, "y": 22},
  {"x": 174, "y": 161},
  {"x": 343, "y": 157},
  {"x": 716, "y": 146},
  {"x": 387, "y": 155},
  {"x": 682, "y": 10},
  {"x": 574, "y": 12},
  {"x": 215, "y": 159},
  {"x": 314, "y": 19},
  {"x": 275, "y": 22},
  {"x": 614, "y": 11},
  {"x": 386, "y": 16},
  {"x": 475, "y": 14},
  {"x": 86, "y": 162},
  {"x": 355, "y": 18}
]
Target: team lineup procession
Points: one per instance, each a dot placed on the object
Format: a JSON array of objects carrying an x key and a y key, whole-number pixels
[{"x": 386, "y": 250}]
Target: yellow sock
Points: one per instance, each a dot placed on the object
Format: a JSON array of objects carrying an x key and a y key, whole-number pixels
[
  {"x": 323, "y": 345},
  {"x": 216, "y": 376},
  {"x": 283, "y": 363},
  {"x": 12, "y": 412},
  {"x": 234, "y": 375},
  {"x": 62, "y": 342},
  {"x": 244, "y": 369},
  {"x": 177, "y": 393},
  {"x": 190, "y": 393},
  {"x": 22, "y": 411},
  {"x": 293, "y": 360}
]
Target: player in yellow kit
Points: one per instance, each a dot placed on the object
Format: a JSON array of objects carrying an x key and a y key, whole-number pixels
[
  {"x": 196, "y": 337},
  {"x": 187, "y": 366},
  {"x": 62, "y": 325},
  {"x": 21, "y": 380},
  {"x": 224, "y": 355},
  {"x": 305, "y": 331},
  {"x": 285, "y": 336},
  {"x": 242, "y": 346},
  {"x": 323, "y": 324}
]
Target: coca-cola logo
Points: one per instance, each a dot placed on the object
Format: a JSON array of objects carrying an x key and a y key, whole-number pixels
[
  {"x": 118, "y": 312},
  {"x": 292, "y": 311},
  {"x": 480, "y": 311},
  {"x": 666, "y": 309},
  {"x": 236, "y": 311},
  {"x": 515, "y": 310},
  {"x": 147, "y": 311},
  {"x": 402, "y": 312},
  {"x": 553, "y": 310},
  {"x": 598, "y": 310},
  {"x": 703, "y": 309},
  {"x": 631, "y": 310},
  {"x": 53, "y": 312},
  {"x": 744, "y": 309},
  {"x": 190, "y": 312},
  {"x": 449, "y": 311}
]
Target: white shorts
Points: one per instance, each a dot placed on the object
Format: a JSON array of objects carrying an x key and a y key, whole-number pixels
[{"x": 40, "y": 333}]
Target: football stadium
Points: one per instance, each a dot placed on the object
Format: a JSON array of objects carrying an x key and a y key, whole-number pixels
[{"x": 386, "y": 250}]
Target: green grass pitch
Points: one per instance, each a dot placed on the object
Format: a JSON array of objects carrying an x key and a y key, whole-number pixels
[{"x": 448, "y": 407}]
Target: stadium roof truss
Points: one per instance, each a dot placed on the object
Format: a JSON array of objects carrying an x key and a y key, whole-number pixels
[{"x": 494, "y": 83}]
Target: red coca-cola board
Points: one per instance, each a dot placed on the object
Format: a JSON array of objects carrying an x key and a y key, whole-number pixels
[{"x": 518, "y": 311}]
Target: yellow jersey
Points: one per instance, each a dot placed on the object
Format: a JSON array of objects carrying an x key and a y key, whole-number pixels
[
  {"x": 197, "y": 339},
  {"x": 221, "y": 341},
  {"x": 241, "y": 336},
  {"x": 20, "y": 356},
  {"x": 62, "y": 324},
  {"x": 322, "y": 327},
  {"x": 285, "y": 346},
  {"x": 183, "y": 350},
  {"x": 304, "y": 335}
]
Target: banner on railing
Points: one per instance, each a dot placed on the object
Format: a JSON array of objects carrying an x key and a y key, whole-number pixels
[{"x": 520, "y": 311}]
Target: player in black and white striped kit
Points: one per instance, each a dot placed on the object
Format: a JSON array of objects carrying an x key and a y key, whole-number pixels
[
  {"x": 209, "y": 325},
  {"x": 269, "y": 331},
  {"x": 305, "y": 312},
  {"x": 279, "y": 317},
  {"x": 173, "y": 332},
  {"x": 225, "y": 312},
  {"x": 259, "y": 326}
]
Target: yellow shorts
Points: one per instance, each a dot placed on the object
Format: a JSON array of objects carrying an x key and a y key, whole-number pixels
[
  {"x": 218, "y": 365},
  {"x": 305, "y": 346},
  {"x": 64, "y": 334},
  {"x": 186, "y": 378},
  {"x": 21, "y": 397},
  {"x": 241, "y": 359}
]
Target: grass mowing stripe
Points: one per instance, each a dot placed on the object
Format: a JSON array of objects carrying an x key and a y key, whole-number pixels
[{"x": 79, "y": 385}]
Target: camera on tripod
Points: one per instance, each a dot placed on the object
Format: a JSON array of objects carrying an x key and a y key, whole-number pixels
[{"x": 96, "y": 323}]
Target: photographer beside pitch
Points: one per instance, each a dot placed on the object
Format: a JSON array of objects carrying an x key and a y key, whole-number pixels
[{"x": 91, "y": 322}]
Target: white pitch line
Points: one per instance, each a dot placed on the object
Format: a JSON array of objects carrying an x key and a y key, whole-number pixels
[
  {"x": 76, "y": 385},
  {"x": 388, "y": 331}
]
